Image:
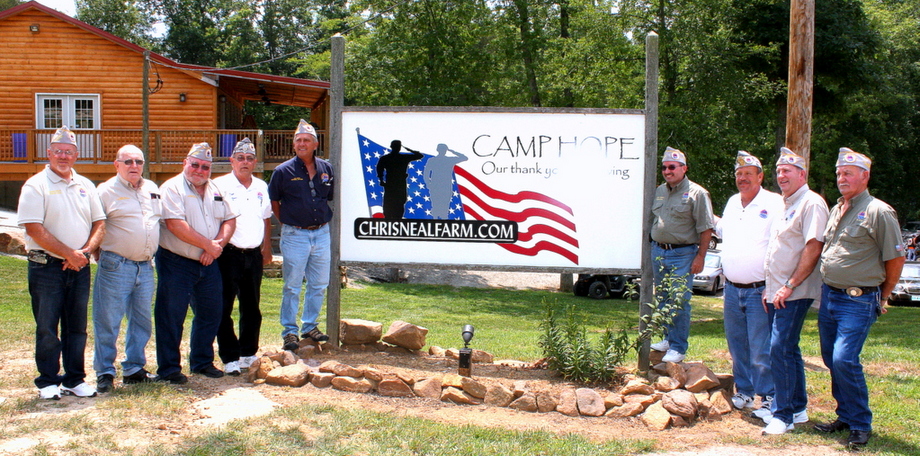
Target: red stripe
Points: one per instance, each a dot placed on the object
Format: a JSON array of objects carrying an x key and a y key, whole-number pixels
[
  {"x": 546, "y": 229},
  {"x": 516, "y": 216},
  {"x": 516, "y": 198},
  {"x": 539, "y": 247}
]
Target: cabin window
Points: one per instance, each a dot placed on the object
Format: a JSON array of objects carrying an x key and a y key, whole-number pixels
[{"x": 77, "y": 111}]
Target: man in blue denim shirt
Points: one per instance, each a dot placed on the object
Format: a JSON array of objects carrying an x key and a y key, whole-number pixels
[
  {"x": 300, "y": 191},
  {"x": 860, "y": 264}
]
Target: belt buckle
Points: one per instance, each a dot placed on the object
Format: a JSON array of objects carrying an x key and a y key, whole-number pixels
[{"x": 854, "y": 292}]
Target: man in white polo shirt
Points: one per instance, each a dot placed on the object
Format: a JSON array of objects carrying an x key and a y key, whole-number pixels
[
  {"x": 745, "y": 232},
  {"x": 249, "y": 249},
  {"x": 124, "y": 277},
  {"x": 63, "y": 219}
]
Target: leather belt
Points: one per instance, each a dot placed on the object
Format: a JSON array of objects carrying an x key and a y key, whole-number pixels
[
  {"x": 671, "y": 246},
  {"x": 855, "y": 291},
  {"x": 311, "y": 227},
  {"x": 748, "y": 285},
  {"x": 233, "y": 247}
]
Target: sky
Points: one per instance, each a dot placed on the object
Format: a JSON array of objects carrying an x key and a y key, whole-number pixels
[{"x": 67, "y": 7}]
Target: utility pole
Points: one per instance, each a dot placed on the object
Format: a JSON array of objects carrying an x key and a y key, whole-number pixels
[
  {"x": 801, "y": 76},
  {"x": 145, "y": 107}
]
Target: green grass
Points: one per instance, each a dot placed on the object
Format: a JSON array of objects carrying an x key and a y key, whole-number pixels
[{"x": 506, "y": 324}]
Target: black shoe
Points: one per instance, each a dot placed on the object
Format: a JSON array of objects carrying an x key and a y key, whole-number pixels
[
  {"x": 141, "y": 376},
  {"x": 175, "y": 378},
  {"x": 858, "y": 439},
  {"x": 316, "y": 335},
  {"x": 210, "y": 371},
  {"x": 291, "y": 342},
  {"x": 836, "y": 426},
  {"x": 105, "y": 383}
]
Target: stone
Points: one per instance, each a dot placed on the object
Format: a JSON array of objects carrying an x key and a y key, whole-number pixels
[
  {"x": 525, "y": 403},
  {"x": 252, "y": 374},
  {"x": 680, "y": 402},
  {"x": 265, "y": 366},
  {"x": 296, "y": 375},
  {"x": 275, "y": 356},
  {"x": 520, "y": 387},
  {"x": 590, "y": 403},
  {"x": 676, "y": 371},
  {"x": 340, "y": 369},
  {"x": 626, "y": 410},
  {"x": 356, "y": 331},
  {"x": 546, "y": 401},
  {"x": 699, "y": 378},
  {"x": 679, "y": 421},
  {"x": 13, "y": 241},
  {"x": 643, "y": 399},
  {"x": 321, "y": 379},
  {"x": 661, "y": 368},
  {"x": 428, "y": 387},
  {"x": 434, "y": 350},
  {"x": 372, "y": 373},
  {"x": 306, "y": 351},
  {"x": 665, "y": 384},
  {"x": 454, "y": 380},
  {"x": 452, "y": 353},
  {"x": 568, "y": 402},
  {"x": 656, "y": 417},
  {"x": 613, "y": 400},
  {"x": 726, "y": 381},
  {"x": 636, "y": 386},
  {"x": 473, "y": 387},
  {"x": 654, "y": 357},
  {"x": 704, "y": 406},
  {"x": 458, "y": 396},
  {"x": 352, "y": 384},
  {"x": 481, "y": 357},
  {"x": 721, "y": 402},
  {"x": 393, "y": 386},
  {"x": 406, "y": 335},
  {"x": 499, "y": 395},
  {"x": 288, "y": 358}
]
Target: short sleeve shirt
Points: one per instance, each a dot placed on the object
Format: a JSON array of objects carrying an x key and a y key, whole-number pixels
[
  {"x": 745, "y": 234},
  {"x": 132, "y": 224},
  {"x": 681, "y": 213},
  {"x": 66, "y": 209},
  {"x": 203, "y": 214},
  {"x": 859, "y": 243},
  {"x": 302, "y": 204},
  {"x": 804, "y": 218},
  {"x": 254, "y": 208}
]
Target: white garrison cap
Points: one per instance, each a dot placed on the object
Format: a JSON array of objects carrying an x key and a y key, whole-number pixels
[
  {"x": 848, "y": 157},
  {"x": 63, "y": 135},
  {"x": 788, "y": 157},
  {"x": 745, "y": 159},
  {"x": 673, "y": 155},
  {"x": 245, "y": 146},
  {"x": 201, "y": 151},
  {"x": 305, "y": 127}
]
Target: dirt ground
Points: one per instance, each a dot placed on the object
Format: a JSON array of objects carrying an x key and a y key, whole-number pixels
[{"x": 217, "y": 401}]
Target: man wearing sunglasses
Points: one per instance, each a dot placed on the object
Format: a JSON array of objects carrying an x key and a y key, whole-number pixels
[
  {"x": 681, "y": 226},
  {"x": 241, "y": 264},
  {"x": 124, "y": 277},
  {"x": 300, "y": 191},
  {"x": 199, "y": 222},
  {"x": 63, "y": 220}
]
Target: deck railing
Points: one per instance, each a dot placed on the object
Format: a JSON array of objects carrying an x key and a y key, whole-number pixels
[{"x": 166, "y": 146}]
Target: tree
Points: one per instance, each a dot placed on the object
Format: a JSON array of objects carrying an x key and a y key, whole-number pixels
[{"x": 131, "y": 21}]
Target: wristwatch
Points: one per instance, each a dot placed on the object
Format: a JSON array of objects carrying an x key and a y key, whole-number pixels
[{"x": 789, "y": 285}]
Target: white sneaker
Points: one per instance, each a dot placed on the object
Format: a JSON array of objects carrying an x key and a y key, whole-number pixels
[
  {"x": 672, "y": 357},
  {"x": 800, "y": 417},
  {"x": 50, "y": 392},
  {"x": 232, "y": 368},
  {"x": 777, "y": 427},
  {"x": 81, "y": 390},
  {"x": 662, "y": 346},
  {"x": 246, "y": 361},
  {"x": 742, "y": 401}
]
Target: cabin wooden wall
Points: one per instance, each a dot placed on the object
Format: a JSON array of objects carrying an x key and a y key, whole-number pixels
[{"x": 63, "y": 58}]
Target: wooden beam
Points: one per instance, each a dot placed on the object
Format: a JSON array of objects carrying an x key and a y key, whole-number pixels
[{"x": 801, "y": 76}]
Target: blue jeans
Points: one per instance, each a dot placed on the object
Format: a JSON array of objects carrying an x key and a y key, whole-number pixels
[
  {"x": 307, "y": 253},
  {"x": 786, "y": 359},
  {"x": 183, "y": 282},
  {"x": 747, "y": 330},
  {"x": 59, "y": 297},
  {"x": 677, "y": 263},
  {"x": 123, "y": 288},
  {"x": 844, "y": 324}
]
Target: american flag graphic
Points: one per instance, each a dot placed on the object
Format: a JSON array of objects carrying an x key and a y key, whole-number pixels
[{"x": 544, "y": 223}]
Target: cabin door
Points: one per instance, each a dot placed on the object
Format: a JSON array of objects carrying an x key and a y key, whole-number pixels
[{"x": 80, "y": 112}]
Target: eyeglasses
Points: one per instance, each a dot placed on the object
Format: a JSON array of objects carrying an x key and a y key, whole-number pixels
[
  {"x": 130, "y": 162},
  {"x": 248, "y": 158},
  {"x": 69, "y": 153},
  {"x": 670, "y": 167},
  {"x": 203, "y": 167},
  {"x": 312, "y": 188}
]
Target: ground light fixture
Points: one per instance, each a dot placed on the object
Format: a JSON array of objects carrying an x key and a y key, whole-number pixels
[{"x": 465, "y": 365}]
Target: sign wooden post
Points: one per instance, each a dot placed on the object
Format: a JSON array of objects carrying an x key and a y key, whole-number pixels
[{"x": 801, "y": 76}]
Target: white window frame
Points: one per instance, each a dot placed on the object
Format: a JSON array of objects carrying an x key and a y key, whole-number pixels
[{"x": 69, "y": 109}]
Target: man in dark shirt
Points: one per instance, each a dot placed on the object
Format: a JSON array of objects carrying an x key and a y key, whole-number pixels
[{"x": 300, "y": 191}]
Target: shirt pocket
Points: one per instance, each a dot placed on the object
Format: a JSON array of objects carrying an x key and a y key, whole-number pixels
[
  {"x": 656, "y": 207},
  {"x": 857, "y": 235}
]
